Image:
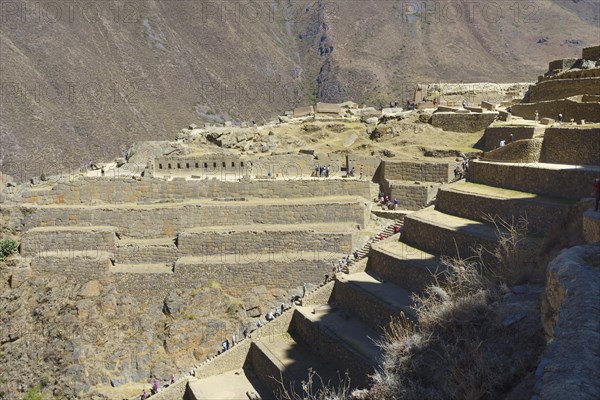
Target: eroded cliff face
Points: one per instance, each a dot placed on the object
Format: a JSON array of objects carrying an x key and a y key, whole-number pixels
[{"x": 77, "y": 340}]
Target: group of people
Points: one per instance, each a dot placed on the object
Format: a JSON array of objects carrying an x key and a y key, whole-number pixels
[
  {"x": 322, "y": 171},
  {"x": 154, "y": 388},
  {"x": 385, "y": 201},
  {"x": 352, "y": 172}
]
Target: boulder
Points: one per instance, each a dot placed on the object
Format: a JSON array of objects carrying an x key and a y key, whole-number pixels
[
  {"x": 547, "y": 121},
  {"x": 172, "y": 303},
  {"x": 303, "y": 111},
  {"x": 90, "y": 289},
  {"x": 488, "y": 106},
  {"x": 372, "y": 120},
  {"x": 328, "y": 108}
]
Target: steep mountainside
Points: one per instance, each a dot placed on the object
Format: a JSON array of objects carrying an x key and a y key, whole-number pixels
[{"x": 81, "y": 80}]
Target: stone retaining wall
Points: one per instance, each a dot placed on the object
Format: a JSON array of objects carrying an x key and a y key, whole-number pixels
[
  {"x": 571, "y": 146},
  {"x": 477, "y": 207},
  {"x": 214, "y": 243},
  {"x": 42, "y": 241},
  {"x": 418, "y": 171},
  {"x": 366, "y": 307},
  {"x": 268, "y": 368},
  {"x": 323, "y": 342},
  {"x": 410, "y": 196},
  {"x": 239, "y": 274},
  {"x": 399, "y": 270},
  {"x": 168, "y": 220},
  {"x": 150, "y": 190},
  {"x": 591, "y": 53},
  {"x": 75, "y": 266},
  {"x": 521, "y": 151},
  {"x": 562, "y": 88},
  {"x": 591, "y": 226},
  {"x": 439, "y": 240},
  {"x": 569, "y": 108},
  {"x": 569, "y": 183},
  {"x": 571, "y": 318},
  {"x": 494, "y": 134},
  {"x": 136, "y": 253},
  {"x": 467, "y": 123}
]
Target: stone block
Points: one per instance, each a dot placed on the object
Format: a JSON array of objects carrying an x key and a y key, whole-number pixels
[
  {"x": 547, "y": 121},
  {"x": 446, "y": 109},
  {"x": 475, "y": 109},
  {"x": 504, "y": 116},
  {"x": 462, "y": 111},
  {"x": 328, "y": 108},
  {"x": 303, "y": 111},
  {"x": 591, "y": 226},
  {"x": 591, "y": 53},
  {"x": 565, "y": 63},
  {"x": 488, "y": 106}
]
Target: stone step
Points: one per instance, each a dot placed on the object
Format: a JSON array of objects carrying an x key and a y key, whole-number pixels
[
  {"x": 556, "y": 180},
  {"x": 478, "y": 202},
  {"x": 92, "y": 239},
  {"x": 408, "y": 267},
  {"x": 375, "y": 302},
  {"x": 284, "y": 358},
  {"x": 448, "y": 235},
  {"x": 337, "y": 237},
  {"x": 233, "y": 384},
  {"x": 340, "y": 338},
  {"x": 142, "y": 269}
]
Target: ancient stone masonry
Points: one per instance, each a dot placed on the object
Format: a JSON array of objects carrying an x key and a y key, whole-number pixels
[
  {"x": 571, "y": 146},
  {"x": 457, "y": 122},
  {"x": 570, "y": 182},
  {"x": 156, "y": 190},
  {"x": 414, "y": 184},
  {"x": 494, "y": 134},
  {"x": 571, "y": 315}
]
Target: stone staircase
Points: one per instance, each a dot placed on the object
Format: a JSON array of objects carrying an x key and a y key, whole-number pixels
[{"x": 339, "y": 326}]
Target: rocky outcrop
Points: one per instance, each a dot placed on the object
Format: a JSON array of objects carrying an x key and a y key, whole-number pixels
[{"x": 571, "y": 318}]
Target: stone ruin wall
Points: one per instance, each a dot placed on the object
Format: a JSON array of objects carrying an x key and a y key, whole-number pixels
[
  {"x": 168, "y": 220},
  {"x": 467, "y": 123},
  {"x": 289, "y": 166},
  {"x": 555, "y": 89},
  {"x": 571, "y": 146},
  {"x": 569, "y": 183},
  {"x": 418, "y": 171},
  {"x": 571, "y": 319},
  {"x": 41, "y": 241},
  {"x": 291, "y": 243},
  {"x": 569, "y": 108},
  {"x": 494, "y": 134},
  {"x": 410, "y": 196},
  {"x": 151, "y": 190}
]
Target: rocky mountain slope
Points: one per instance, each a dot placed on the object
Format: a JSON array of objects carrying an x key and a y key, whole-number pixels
[{"x": 79, "y": 81}]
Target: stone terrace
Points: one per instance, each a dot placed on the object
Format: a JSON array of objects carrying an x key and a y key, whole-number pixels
[{"x": 336, "y": 327}]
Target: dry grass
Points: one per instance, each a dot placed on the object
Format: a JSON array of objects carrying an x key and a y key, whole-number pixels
[
  {"x": 460, "y": 348},
  {"x": 315, "y": 389}
]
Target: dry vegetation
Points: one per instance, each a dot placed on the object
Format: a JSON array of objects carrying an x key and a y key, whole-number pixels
[{"x": 474, "y": 338}]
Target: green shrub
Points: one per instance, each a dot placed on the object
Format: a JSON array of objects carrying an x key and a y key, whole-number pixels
[
  {"x": 8, "y": 247},
  {"x": 34, "y": 393}
]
